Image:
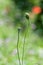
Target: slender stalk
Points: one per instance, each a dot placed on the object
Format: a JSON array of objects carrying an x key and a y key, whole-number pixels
[
  {"x": 24, "y": 43},
  {"x": 23, "y": 48},
  {"x": 18, "y": 49}
]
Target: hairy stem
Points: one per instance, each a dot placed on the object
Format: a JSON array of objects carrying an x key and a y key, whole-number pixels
[
  {"x": 18, "y": 49},
  {"x": 23, "y": 48}
]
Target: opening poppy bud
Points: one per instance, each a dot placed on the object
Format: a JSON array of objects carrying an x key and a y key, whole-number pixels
[
  {"x": 27, "y": 15},
  {"x": 36, "y": 10}
]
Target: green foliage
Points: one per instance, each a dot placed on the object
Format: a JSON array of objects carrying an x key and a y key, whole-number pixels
[{"x": 33, "y": 48}]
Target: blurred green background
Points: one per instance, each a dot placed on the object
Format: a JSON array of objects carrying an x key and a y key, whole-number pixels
[{"x": 12, "y": 16}]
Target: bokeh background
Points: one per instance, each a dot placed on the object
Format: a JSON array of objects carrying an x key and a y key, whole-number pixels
[{"x": 12, "y": 17}]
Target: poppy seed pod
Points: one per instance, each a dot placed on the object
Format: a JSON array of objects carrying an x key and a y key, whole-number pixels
[{"x": 27, "y": 15}]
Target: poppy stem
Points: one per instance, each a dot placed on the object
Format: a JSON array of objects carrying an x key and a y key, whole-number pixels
[
  {"x": 23, "y": 48},
  {"x": 24, "y": 43},
  {"x": 17, "y": 48}
]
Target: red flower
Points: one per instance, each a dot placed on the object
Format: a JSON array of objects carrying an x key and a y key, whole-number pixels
[{"x": 36, "y": 9}]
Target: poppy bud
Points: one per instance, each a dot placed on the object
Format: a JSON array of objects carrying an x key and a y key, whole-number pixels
[
  {"x": 36, "y": 10},
  {"x": 19, "y": 28},
  {"x": 27, "y": 15}
]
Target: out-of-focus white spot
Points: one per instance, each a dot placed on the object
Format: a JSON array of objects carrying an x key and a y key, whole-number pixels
[
  {"x": 33, "y": 26},
  {"x": 1, "y": 42},
  {"x": 1, "y": 22},
  {"x": 17, "y": 62},
  {"x": 8, "y": 40},
  {"x": 4, "y": 12},
  {"x": 7, "y": 19},
  {"x": 31, "y": 52},
  {"x": 14, "y": 52},
  {"x": 40, "y": 52}
]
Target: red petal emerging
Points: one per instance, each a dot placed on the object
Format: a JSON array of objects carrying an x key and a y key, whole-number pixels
[{"x": 36, "y": 9}]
